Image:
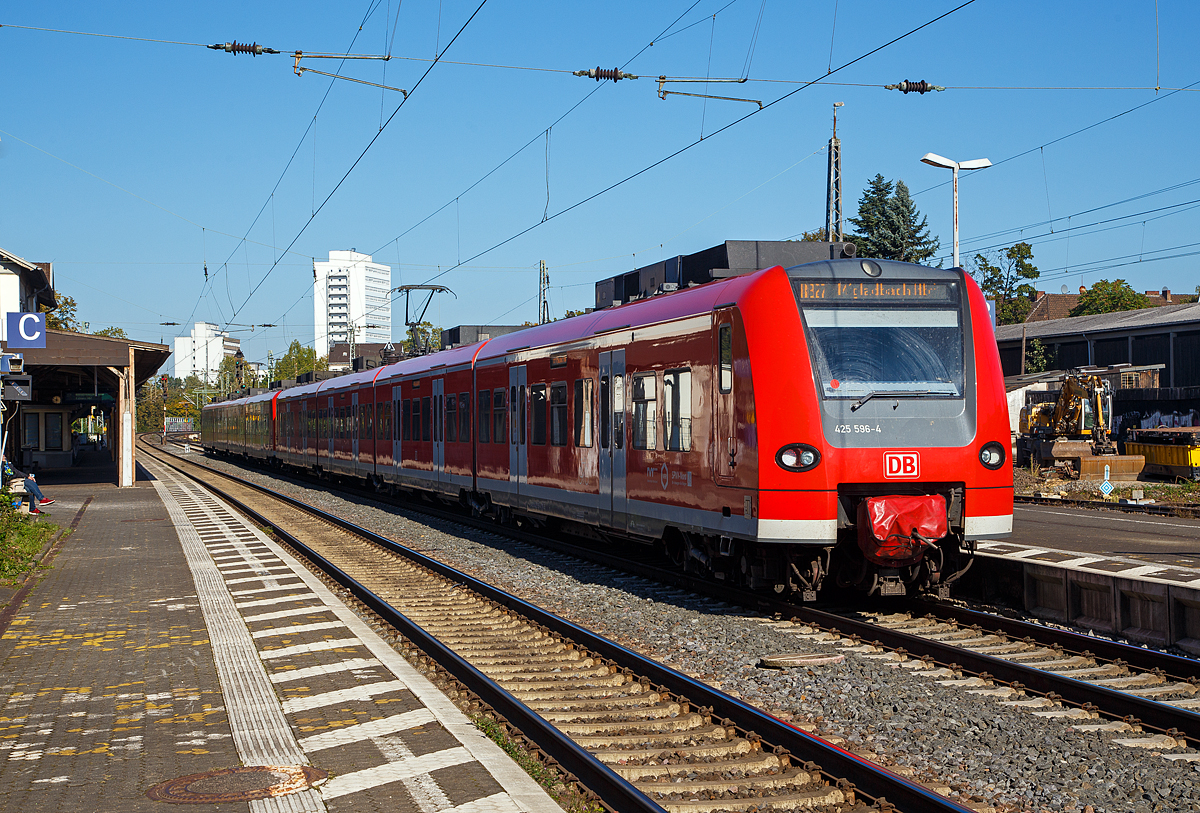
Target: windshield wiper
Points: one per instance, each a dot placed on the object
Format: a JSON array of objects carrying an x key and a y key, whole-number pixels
[{"x": 886, "y": 394}]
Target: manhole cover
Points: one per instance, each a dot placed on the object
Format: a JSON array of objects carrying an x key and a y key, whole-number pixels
[{"x": 237, "y": 784}]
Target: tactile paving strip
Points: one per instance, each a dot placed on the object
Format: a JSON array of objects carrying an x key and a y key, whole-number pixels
[{"x": 305, "y": 679}]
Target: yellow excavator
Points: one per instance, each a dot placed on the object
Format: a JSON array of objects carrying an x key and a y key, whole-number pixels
[{"x": 1073, "y": 432}]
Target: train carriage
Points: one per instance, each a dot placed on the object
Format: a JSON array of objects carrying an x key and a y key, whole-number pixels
[{"x": 837, "y": 419}]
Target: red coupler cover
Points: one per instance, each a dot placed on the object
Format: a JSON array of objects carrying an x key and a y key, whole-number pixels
[{"x": 886, "y": 525}]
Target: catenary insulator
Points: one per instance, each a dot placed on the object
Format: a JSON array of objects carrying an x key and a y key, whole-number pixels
[
  {"x": 599, "y": 73},
  {"x": 906, "y": 86},
  {"x": 235, "y": 47}
]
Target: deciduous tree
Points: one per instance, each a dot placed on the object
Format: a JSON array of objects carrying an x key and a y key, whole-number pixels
[
  {"x": 299, "y": 360},
  {"x": 1109, "y": 297},
  {"x": 63, "y": 317},
  {"x": 1002, "y": 276}
]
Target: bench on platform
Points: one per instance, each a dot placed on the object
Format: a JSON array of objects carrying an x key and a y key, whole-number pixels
[{"x": 16, "y": 488}]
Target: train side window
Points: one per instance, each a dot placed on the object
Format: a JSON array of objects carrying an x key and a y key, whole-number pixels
[
  {"x": 605, "y": 412},
  {"x": 558, "y": 414},
  {"x": 425, "y": 422},
  {"x": 464, "y": 417},
  {"x": 451, "y": 417},
  {"x": 725, "y": 340},
  {"x": 645, "y": 405},
  {"x": 366, "y": 421},
  {"x": 499, "y": 413},
  {"x": 405, "y": 419},
  {"x": 521, "y": 411},
  {"x": 384, "y": 425},
  {"x": 677, "y": 410},
  {"x": 537, "y": 408},
  {"x": 485, "y": 416},
  {"x": 618, "y": 411},
  {"x": 583, "y": 412},
  {"x": 437, "y": 417},
  {"x": 512, "y": 407}
]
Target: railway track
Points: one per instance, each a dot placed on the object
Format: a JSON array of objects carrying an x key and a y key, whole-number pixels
[
  {"x": 639, "y": 735},
  {"x": 1124, "y": 689}
]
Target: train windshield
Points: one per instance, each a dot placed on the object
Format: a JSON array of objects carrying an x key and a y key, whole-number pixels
[{"x": 865, "y": 346}]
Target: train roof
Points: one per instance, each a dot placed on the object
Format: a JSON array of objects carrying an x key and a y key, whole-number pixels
[
  {"x": 249, "y": 399},
  {"x": 856, "y": 268},
  {"x": 416, "y": 365},
  {"x": 349, "y": 381},
  {"x": 641, "y": 313}
]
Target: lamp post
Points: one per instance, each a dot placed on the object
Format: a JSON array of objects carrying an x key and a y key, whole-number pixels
[{"x": 935, "y": 160}]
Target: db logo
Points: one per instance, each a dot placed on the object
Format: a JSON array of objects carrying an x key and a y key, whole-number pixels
[{"x": 901, "y": 464}]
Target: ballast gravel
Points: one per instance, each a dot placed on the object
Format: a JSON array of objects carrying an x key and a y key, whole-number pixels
[{"x": 940, "y": 736}]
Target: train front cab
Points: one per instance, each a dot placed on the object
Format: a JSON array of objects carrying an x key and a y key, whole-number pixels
[{"x": 882, "y": 422}]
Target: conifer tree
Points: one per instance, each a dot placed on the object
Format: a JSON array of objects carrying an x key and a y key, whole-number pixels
[
  {"x": 872, "y": 216},
  {"x": 889, "y": 225}
]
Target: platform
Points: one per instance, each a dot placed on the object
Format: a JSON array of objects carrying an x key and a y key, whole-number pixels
[
  {"x": 172, "y": 646},
  {"x": 1133, "y": 575}
]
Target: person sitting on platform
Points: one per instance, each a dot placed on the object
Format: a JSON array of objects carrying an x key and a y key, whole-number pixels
[{"x": 31, "y": 486}]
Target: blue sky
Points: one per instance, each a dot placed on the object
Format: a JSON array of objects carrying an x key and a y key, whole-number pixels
[{"x": 176, "y": 149}]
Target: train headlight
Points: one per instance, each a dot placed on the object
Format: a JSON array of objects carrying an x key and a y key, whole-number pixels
[
  {"x": 992, "y": 455},
  {"x": 798, "y": 457}
]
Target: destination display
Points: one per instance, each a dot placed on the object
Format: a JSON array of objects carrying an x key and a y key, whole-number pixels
[{"x": 875, "y": 291}]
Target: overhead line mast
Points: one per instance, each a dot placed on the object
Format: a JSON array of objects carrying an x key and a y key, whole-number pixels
[{"x": 833, "y": 194}]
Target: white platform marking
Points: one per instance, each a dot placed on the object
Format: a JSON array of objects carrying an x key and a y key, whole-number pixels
[
  {"x": 365, "y": 692},
  {"x": 299, "y": 628},
  {"x": 367, "y": 730},
  {"x": 393, "y": 772},
  {"x": 300, "y": 649},
  {"x": 288, "y": 675}
]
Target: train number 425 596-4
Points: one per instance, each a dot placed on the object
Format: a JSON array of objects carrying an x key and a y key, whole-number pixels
[{"x": 856, "y": 429}]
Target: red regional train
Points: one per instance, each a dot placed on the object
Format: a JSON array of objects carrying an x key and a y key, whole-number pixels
[{"x": 843, "y": 419}]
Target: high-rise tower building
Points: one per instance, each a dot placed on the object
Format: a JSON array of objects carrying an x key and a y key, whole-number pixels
[
  {"x": 351, "y": 296},
  {"x": 200, "y": 353}
]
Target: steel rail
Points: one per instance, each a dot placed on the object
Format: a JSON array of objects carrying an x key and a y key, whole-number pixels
[
  {"x": 866, "y": 777},
  {"x": 610, "y": 787},
  {"x": 1075, "y": 642}
]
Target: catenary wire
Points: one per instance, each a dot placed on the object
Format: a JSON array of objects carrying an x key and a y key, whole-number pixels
[
  {"x": 361, "y": 156},
  {"x": 689, "y": 146},
  {"x": 535, "y": 138}
]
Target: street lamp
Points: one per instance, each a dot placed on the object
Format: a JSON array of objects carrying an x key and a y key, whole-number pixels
[{"x": 935, "y": 160}]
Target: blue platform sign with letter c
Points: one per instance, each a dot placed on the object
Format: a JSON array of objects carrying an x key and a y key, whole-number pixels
[{"x": 26, "y": 330}]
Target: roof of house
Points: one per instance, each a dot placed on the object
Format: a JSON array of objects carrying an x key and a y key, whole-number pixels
[
  {"x": 1059, "y": 306},
  {"x": 42, "y": 277},
  {"x": 340, "y": 352}
]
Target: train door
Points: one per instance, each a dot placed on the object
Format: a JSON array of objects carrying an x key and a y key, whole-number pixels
[
  {"x": 518, "y": 448},
  {"x": 400, "y": 425},
  {"x": 724, "y": 421},
  {"x": 303, "y": 450},
  {"x": 355, "y": 430},
  {"x": 613, "y": 508},
  {"x": 330, "y": 424},
  {"x": 439, "y": 442}
]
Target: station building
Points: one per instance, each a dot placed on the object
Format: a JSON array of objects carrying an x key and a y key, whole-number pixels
[
  {"x": 1167, "y": 335},
  {"x": 73, "y": 376}
]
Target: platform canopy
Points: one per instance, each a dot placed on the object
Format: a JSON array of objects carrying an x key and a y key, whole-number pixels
[{"x": 78, "y": 371}]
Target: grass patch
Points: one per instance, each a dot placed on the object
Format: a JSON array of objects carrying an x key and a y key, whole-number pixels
[
  {"x": 545, "y": 776},
  {"x": 20, "y": 540}
]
